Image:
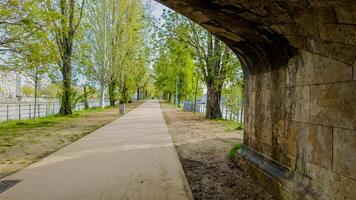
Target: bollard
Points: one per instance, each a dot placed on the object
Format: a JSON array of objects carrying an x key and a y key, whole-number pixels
[
  {"x": 122, "y": 109},
  {"x": 29, "y": 111},
  {"x": 19, "y": 111},
  {"x": 7, "y": 112}
]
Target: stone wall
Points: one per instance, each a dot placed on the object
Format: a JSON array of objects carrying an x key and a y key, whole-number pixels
[{"x": 299, "y": 61}]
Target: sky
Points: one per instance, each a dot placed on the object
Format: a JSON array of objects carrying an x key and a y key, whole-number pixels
[{"x": 157, "y": 8}]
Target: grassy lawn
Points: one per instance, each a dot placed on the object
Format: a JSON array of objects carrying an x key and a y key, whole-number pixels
[
  {"x": 230, "y": 125},
  {"x": 27, "y": 141}
]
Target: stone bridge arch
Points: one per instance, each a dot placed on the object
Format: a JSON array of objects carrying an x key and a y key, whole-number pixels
[{"x": 299, "y": 61}]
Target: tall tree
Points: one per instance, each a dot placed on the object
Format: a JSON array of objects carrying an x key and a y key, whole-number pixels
[
  {"x": 132, "y": 54},
  {"x": 213, "y": 58},
  {"x": 67, "y": 17}
]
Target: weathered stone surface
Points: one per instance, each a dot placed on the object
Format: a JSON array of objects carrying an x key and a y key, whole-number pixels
[
  {"x": 319, "y": 182},
  {"x": 323, "y": 184},
  {"x": 342, "y": 188},
  {"x": 316, "y": 69},
  {"x": 308, "y": 143},
  {"x": 293, "y": 143},
  {"x": 345, "y": 152},
  {"x": 346, "y": 15},
  {"x": 338, "y": 32},
  {"x": 354, "y": 70},
  {"x": 334, "y": 104},
  {"x": 298, "y": 99},
  {"x": 338, "y": 51},
  {"x": 319, "y": 146}
]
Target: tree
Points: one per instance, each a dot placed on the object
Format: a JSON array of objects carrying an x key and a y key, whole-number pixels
[
  {"x": 33, "y": 59},
  {"x": 132, "y": 53},
  {"x": 234, "y": 92},
  {"x": 33, "y": 63},
  {"x": 118, "y": 53},
  {"x": 213, "y": 58},
  {"x": 67, "y": 15},
  {"x": 27, "y": 90},
  {"x": 174, "y": 71},
  {"x": 19, "y": 21},
  {"x": 102, "y": 20}
]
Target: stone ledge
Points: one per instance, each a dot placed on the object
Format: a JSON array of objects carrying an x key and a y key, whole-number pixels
[{"x": 266, "y": 172}]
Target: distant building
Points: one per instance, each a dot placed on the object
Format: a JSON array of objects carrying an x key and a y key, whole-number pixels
[{"x": 10, "y": 85}]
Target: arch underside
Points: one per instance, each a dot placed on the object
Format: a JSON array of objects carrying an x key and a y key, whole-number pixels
[{"x": 300, "y": 78}]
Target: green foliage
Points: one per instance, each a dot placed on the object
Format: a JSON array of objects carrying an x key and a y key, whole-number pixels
[
  {"x": 51, "y": 90},
  {"x": 233, "y": 151},
  {"x": 216, "y": 64},
  {"x": 175, "y": 69},
  {"x": 115, "y": 47},
  {"x": 28, "y": 91},
  {"x": 10, "y": 130}
]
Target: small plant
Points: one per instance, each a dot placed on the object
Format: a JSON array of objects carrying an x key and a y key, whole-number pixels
[
  {"x": 240, "y": 127},
  {"x": 233, "y": 151}
]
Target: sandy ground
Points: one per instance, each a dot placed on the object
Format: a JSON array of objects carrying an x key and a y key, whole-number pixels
[
  {"x": 36, "y": 143},
  {"x": 203, "y": 146}
]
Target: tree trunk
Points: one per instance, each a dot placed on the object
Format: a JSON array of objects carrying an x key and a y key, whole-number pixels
[
  {"x": 213, "y": 102},
  {"x": 36, "y": 89},
  {"x": 102, "y": 95},
  {"x": 66, "y": 104},
  {"x": 169, "y": 97},
  {"x": 86, "y": 103},
  {"x": 195, "y": 95},
  {"x": 112, "y": 95},
  {"x": 138, "y": 94}
]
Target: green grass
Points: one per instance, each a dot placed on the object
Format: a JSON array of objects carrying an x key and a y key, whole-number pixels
[
  {"x": 230, "y": 125},
  {"x": 233, "y": 151},
  {"x": 16, "y": 128}
]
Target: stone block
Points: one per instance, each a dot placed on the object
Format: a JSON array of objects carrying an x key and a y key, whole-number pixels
[
  {"x": 342, "y": 188},
  {"x": 324, "y": 14},
  {"x": 334, "y": 104},
  {"x": 338, "y": 32},
  {"x": 298, "y": 101},
  {"x": 316, "y": 69},
  {"x": 346, "y": 15},
  {"x": 324, "y": 184},
  {"x": 318, "y": 182},
  {"x": 291, "y": 143},
  {"x": 297, "y": 41},
  {"x": 354, "y": 70},
  {"x": 309, "y": 143},
  {"x": 319, "y": 146},
  {"x": 338, "y": 51},
  {"x": 345, "y": 152}
]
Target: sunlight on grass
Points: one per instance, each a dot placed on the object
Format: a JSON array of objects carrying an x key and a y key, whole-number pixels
[
  {"x": 230, "y": 125},
  {"x": 12, "y": 129}
]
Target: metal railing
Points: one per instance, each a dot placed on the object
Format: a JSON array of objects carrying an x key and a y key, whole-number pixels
[
  {"x": 21, "y": 111},
  {"x": 227, "y": 112}
]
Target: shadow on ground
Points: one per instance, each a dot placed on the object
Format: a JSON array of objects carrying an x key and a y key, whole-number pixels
[{"x": 203, "y": 146}]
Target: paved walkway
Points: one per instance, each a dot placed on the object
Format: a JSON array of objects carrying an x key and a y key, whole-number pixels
[{"x": 131, "y": 158}]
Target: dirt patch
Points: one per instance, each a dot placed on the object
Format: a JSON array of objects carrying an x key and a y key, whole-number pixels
[
  {"x": 22, "y": 145},
  {"x": 203, "y": 146}
]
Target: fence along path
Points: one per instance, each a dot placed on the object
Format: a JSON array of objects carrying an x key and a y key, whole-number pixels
[
  {"x": 20, "y": 111},
  {"x": 227, "y": 112}
]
